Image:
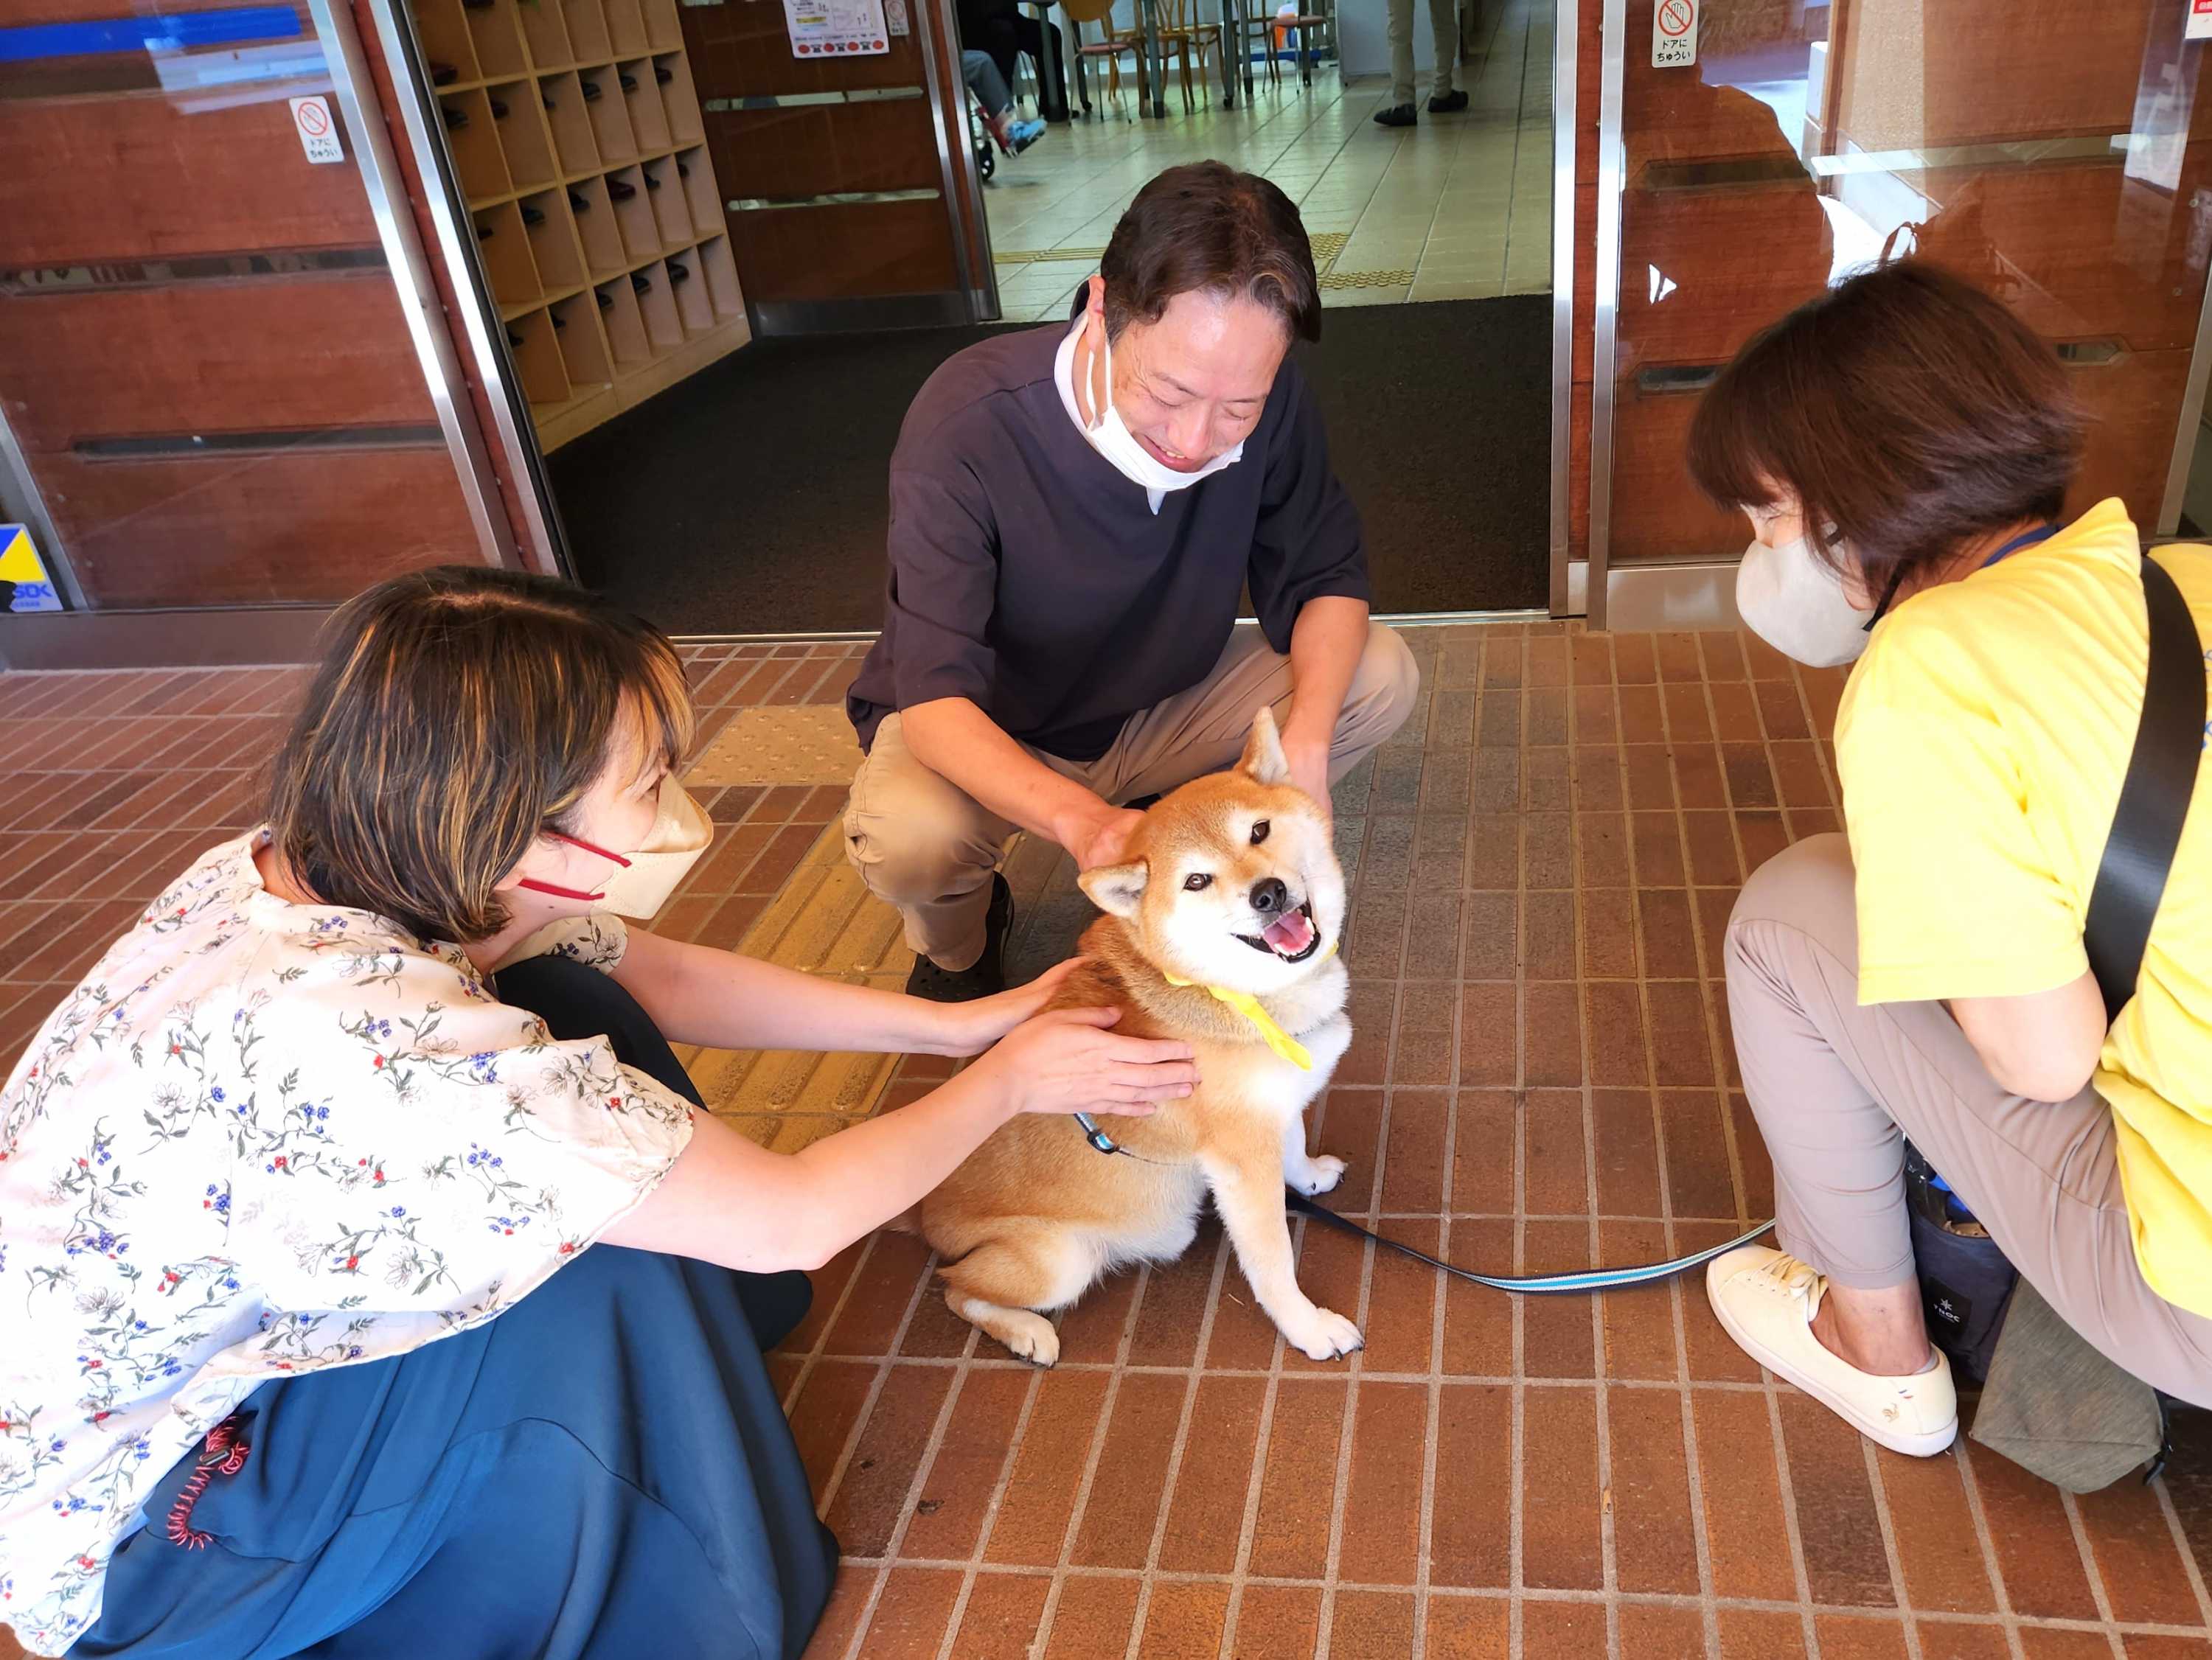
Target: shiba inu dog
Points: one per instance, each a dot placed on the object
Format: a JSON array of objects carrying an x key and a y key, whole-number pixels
[{"x": 1221, "y": 931}]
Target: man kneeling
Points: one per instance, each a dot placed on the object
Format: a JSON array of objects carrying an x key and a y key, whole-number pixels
[{"x": 1076, "y": 514}]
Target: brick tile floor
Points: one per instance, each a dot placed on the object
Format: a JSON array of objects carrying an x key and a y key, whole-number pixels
[{"x": 1542, "y": 1078}]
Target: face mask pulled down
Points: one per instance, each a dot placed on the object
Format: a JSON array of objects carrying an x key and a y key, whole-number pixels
[
  {"x": 1111, "y": 436},
  {"x": 1789, "y": 598}
]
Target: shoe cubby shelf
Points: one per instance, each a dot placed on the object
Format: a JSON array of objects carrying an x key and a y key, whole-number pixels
[{"x": 574, "y": 128}]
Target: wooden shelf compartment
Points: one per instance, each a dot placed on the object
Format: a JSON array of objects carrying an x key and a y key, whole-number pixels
[
  {"x": 545, "y": 31},
  {"x": 496, "y": 32},
  {"x": 505, "y": 250},
  {"x": 656, "y": 303},
  {"x": 518, "y": 117},
  {"x": 719, "y": 267},
  {"x": 447, "y": 42},
  {"x": 550, "y": 227},
  {"x": 537, "y": 357},
  {"x": 609, "y": 110},
  {"x": 617, "y": 305},
  {"x": 664, "y": 28},
  {"x": 583, "y": 344},
  {"x": 664, "y": 187},
  {"x": 687, "y": 286},
  {"x": 626, "y": 28},
  {"x": 679, "y": 99},
  {"x": 576, "y": 146},
  {"x": 697, "y": 172},
  {"x": 596, "y": 229},
  {"x": 587, "y": 24},
  {"x": 632, "y": 210},
  {"x": 473, "y": 143},
  {"x": 649, "y": 118}
]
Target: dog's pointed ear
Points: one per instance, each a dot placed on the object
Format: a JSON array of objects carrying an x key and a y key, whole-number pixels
[
  {"x": 1116, "y": 889},
  {"x": 1262, "y": 760}
]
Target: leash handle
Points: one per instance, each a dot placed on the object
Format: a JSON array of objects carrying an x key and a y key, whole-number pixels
[{"x": 1603, "y": 1279}]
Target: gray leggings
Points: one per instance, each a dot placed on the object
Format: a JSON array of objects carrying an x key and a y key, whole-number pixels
[
  {"x": 1833, "y": 1085},
  {"x": 984, "y": 80}
]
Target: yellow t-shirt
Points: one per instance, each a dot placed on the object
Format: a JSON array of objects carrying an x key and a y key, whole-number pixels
[{"x": 1981, "y": 743}]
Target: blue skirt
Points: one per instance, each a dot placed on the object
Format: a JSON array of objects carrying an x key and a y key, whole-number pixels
[{"x": 602, "y": 1470}]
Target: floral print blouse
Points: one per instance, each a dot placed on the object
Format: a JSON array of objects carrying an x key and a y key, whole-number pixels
[{"x": 263, "y": 1138}]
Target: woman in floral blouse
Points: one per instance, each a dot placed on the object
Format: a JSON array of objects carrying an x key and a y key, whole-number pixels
[{"x": 285, "y": 1184}]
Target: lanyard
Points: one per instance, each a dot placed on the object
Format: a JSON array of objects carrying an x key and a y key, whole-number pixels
[{"x": 2025, "y": 539}]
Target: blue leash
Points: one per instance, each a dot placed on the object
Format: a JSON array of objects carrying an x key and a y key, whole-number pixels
[
  {"x": 1598, "y": 1279},
  {"x": 1586, "y": 1279}
]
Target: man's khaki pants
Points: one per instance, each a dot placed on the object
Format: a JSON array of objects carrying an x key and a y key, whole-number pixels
[
  {"x": 929, "y": 848},
  {"x": 1444, "y": 27}
]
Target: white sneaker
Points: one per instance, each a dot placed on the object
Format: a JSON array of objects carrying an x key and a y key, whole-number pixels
[{"x": 1766, "y": 1299}]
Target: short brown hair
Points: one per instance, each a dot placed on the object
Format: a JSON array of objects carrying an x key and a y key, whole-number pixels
[
  {"x": 1204, "y": 227},
  {"x": 460, "y": 713},
  {"x": 1906, "y": 408}
]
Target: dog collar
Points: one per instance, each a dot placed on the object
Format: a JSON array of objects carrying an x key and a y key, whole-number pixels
[{"x": 1250, "y": 1007}]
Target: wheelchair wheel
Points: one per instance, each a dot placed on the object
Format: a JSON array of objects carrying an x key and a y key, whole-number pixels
[{"x": 986, "y": 159}]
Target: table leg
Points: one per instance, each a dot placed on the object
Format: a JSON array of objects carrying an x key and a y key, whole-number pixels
[
  {"x": 1230, "y": 35},
  {"x": 1245, "y": 46},
  {"x": 1152, "y": 55}
]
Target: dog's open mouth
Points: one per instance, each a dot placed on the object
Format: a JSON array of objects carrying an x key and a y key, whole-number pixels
[{"x": 1291, "y": 937}]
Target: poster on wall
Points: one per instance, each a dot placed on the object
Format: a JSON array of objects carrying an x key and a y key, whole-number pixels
[{"x": 836, "y": 28}]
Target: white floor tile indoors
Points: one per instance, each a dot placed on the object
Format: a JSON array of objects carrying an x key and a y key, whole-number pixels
[{"x": 1457, "y": 207}]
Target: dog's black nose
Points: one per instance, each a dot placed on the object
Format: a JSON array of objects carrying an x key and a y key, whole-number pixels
[{"x": 1270, "y": 898}]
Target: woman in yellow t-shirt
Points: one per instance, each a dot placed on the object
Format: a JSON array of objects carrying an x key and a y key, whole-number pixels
[{"x": 1907, "y": 444}]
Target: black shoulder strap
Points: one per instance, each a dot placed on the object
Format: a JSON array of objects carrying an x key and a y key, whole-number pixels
[{"x": 2155, "y": 797}]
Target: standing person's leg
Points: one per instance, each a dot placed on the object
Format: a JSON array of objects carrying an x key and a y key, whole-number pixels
[
  {"x": 1203, "y": 730},
  {"x": 1051, "y": 69},
  {"x": 1444, "y": 28},
  {"x": 601, "y": 1470},
  {"x": 1835, "y": 1087},
  {"x": 1399, "y": 111}
]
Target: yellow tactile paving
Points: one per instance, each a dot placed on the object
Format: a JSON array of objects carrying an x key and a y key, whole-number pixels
[{"x": 807, "y": 743}]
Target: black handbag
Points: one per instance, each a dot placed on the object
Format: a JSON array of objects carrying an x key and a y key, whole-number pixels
[{"x": 1967, "y": 1285}]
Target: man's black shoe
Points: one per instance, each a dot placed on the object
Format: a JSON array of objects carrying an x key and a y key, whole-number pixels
[
  {"x": 1397, "y": 115},
  {"x": 1448, "y": 103},
  {"x": 987, "y": 978}
]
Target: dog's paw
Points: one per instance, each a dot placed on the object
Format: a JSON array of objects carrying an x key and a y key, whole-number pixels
[
  {"x": 1324, "y": 1335},
  {"x": 1032, "y": 1337},
  {"x": 1321, "y": 1175}
]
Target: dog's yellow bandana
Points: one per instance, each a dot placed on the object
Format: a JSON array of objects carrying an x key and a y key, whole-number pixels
[{"x": 1250, "y": 1007}]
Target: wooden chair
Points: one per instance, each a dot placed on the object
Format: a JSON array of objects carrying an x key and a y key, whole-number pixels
[
  {"x": 1107, "y": 50},
  {"x": 1184, "y": 36}
]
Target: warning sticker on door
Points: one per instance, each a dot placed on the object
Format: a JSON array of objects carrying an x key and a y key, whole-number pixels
[
  {"x": 1675, "y": 34},
  {"x": 2200, "y": 21},
  {"x": 318, "y": 133}
]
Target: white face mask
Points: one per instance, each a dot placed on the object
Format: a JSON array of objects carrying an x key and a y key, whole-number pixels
[
  {"x": 1790, "y": 599},
  {"x": 1111, "y": 436},
  {"x": 643, "y": 880},
  {"x": 681, "y": 832}
]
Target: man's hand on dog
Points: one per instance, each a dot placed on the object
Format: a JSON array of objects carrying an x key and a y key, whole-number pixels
[
  {"x": 1067, "y": 1062},
  {"x": 1103, "y": 837}
]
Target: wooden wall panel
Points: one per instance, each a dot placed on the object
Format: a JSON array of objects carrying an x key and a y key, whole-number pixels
[
  {"x": 312, "y": 526},
  {"x": 209, "y": 357},
  {"x": 106, "y": 180},
  {"x": 816, "y": 149},
  {"x": 810, "y": 253}
]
